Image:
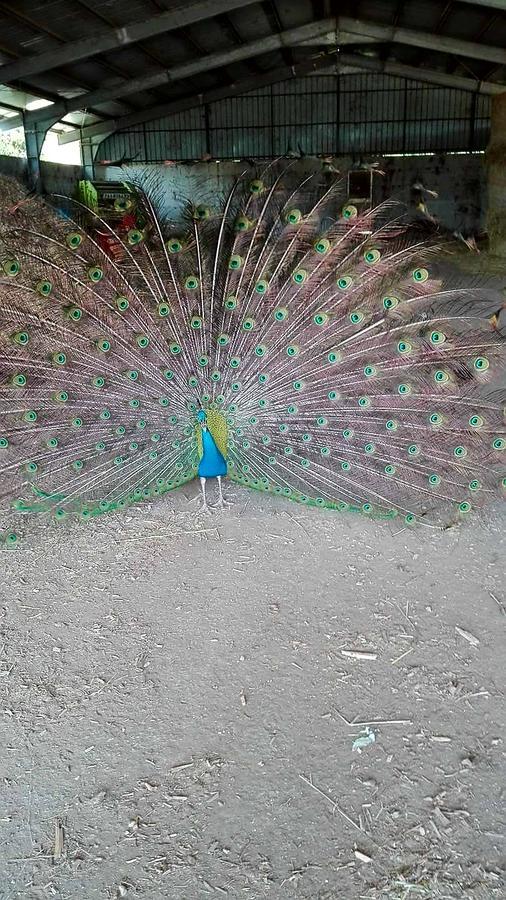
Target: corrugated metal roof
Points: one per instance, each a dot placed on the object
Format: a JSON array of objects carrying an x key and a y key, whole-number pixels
[{"x": 35, "y": 27}]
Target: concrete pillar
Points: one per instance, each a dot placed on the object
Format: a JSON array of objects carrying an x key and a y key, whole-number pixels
[{"x": 496, "y": 166}]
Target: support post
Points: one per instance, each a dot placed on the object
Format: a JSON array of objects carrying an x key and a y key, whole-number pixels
[
  {"x": 88, "y": 151},
  {"x": 35, "y": 135},
  {"x": 496, "y": 177}
]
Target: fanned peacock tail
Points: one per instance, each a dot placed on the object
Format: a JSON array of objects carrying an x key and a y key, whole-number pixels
[{"x": 339, "y": 361}]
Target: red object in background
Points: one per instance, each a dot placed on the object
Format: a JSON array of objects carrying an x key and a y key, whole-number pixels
[
  {"x": 110, "y": 245},
  {"x": 127, "y": 222}
]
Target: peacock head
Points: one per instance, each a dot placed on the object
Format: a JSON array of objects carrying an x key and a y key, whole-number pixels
[{"x": 202, "y": 418}]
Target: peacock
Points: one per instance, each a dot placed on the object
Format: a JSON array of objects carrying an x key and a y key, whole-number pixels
[{"x": 282, "y": 335}]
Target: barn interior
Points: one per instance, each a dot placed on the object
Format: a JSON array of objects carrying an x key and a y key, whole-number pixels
[{"x": 272, "y": 702}]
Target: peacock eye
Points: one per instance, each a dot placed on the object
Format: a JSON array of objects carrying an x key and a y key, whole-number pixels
[
  {"x": 44, "y": 288},
  {"x": 299, "y": 276},
  {"x": 174, "y": 245},
  {"x": 420, "y": 275},
  {"x": 235, "y": 262},
  {"x": 322, "y": 246},
  {"x": 135, "y": 236},
  {"x": 202, "y": 212},
  {"x": 372, "y": 256},
  {"x": 262, "y": 286},
  {"x": 390, "y": 302},
  {"x": 256, "y": 186},
  {"x": 74, "y": 240},
  {"x": 481, "y": 363},
  {"x": 356, "y": 317},
  {"x": 349, "y": 211},
  {"x": 344, "y": 282},
  {"x": 437, "y": 337},
  {"x": 242, "y": 223},
  {"x": 293, "y": 217},
  {"x": 95, "y": 274},
  {"x": 191, "y": 283}
]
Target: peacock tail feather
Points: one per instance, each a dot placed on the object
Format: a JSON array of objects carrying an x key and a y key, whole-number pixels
[{"x": 340, "y": 358}]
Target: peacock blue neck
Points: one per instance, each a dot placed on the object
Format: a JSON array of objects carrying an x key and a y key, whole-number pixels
[{"x": 212, "y": 462}]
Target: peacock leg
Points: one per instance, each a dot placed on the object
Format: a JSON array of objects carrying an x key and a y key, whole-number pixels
[
  {"x": 221, "y": 500},
  {"x": 204, "y": 508}
]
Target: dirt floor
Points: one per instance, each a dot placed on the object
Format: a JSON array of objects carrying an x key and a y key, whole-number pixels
[{"x": 271, "y": 701}]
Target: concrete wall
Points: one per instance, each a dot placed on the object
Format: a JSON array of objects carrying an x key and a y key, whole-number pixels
[{"x": 459, "y": 180}]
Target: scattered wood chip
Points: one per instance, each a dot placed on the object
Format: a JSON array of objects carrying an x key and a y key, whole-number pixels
[
  {"x": 243, "y": 698},
  {"x": 440, "y": 738},
  {"x": 467, "y": 636},
  {"x": 59, "y": 840},
  {"x": 359, "y": 654},
  {"x": 363, "y": 857}
]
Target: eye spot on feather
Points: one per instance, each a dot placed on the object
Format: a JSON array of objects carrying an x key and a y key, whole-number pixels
[
  {"x": 299, "y": 276},
  {"x": 260, "y": 350},
  {"x": 174, "y": 245},
  {"x": 334, "y": 356},
  {"x": 175, "y": 348},
  {"x": 420, "y": 275},
  {"x": 460, "y": 452},
  {"x": 135, "y": 236},
  {"x": 370, "y": 448},
  {"x": 256, "y": 186},
  {"x": 320, "y": 319},
  {"x": 293, "y": 217},
  {"x": 191, "y": 283},
  {"x": 223, "y": 339},
  {"x": 44, "y": 288},
  {"x": 475, "y": 485},
  {"x": 349, "y": 212},
  {"x": 201, "y": 212},
  {"x": 481, "y": 363},
  {"x": 95, "y": 274},
  {"x": 20, "y": 337},
  {"x": 434, "y": 479},
  {"x": 292, "y": 350},
  {"x": 242, "y": 223},
  {"x": 390, "y": 302},
  {"x": 404, "y": 389},
  {"x": 404, "y": 347},
  {"x": 356, "y": 317},
  {"x": 322, "y": 246},
  {"x": 476, "y": 421},
  {"x": 372, "y": 256},
  {"x": 74, "y": 240},
  {"x": 370, "y": 371},
  {"x": 437, "y": 337},
  {"x": 465, "y": 506},
  {"x": 348, "y": 434},
  {"x": 499, "y": 444},
  {"x": 103, "y": 345},
  {"x": 441, "y": 376},
  {"x": 281, "y": 314},
  {"x": 142, "y": 341},
  {"x": 345, "y": 282},
  {"x": 436, "y": 420},
  {"x": 231, "y": 302},
  {"x": 262, "y": 286},
  {"x": 235, "y": 262},
  {"x": 390, "y": 470},
  {"x": 392, "y": 425}
]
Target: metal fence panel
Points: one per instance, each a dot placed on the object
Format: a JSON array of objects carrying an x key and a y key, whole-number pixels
[{"x": 363, "y": 113}]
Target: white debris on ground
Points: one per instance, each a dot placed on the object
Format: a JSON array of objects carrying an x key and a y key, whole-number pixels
[{"x": 184, "y": 696}]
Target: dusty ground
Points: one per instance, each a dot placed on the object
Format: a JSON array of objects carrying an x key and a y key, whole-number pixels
[{"x": 177, "y": 693}]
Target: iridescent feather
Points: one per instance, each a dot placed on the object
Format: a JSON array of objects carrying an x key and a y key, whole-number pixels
[{"x": 342, "y": 359}]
